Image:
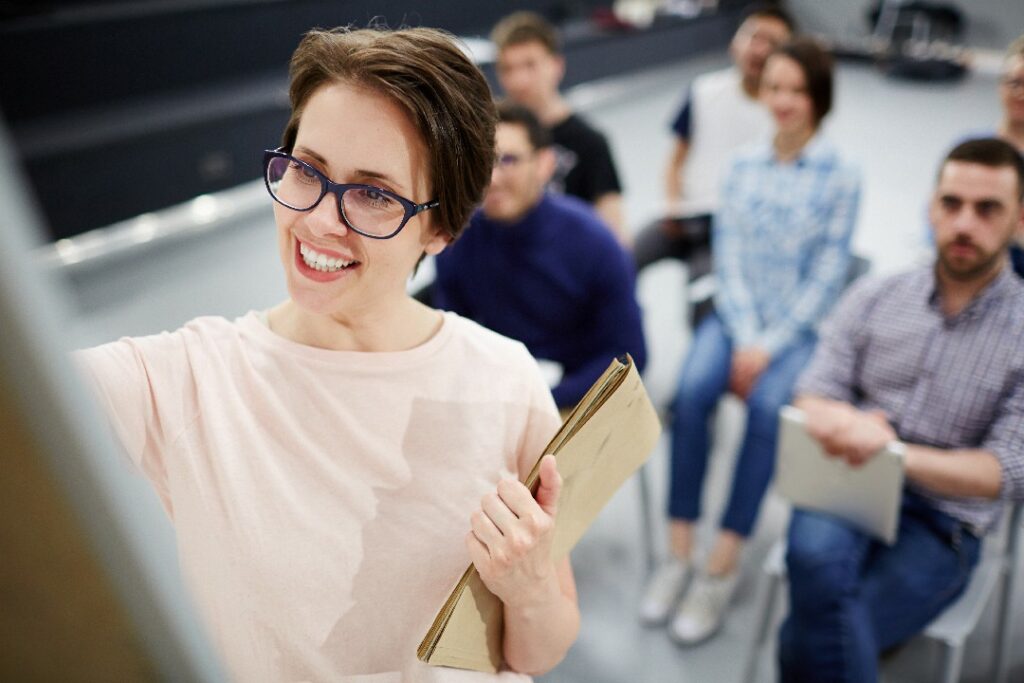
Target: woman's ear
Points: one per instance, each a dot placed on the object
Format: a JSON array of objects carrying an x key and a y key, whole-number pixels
[{"x": 436, "y": 243}]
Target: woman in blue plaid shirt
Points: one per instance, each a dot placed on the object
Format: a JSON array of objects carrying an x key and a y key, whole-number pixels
[{"x": 781, "y": 244}]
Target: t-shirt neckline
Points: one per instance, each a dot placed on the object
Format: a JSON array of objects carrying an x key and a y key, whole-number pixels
[{"x": 254, "y": 324}]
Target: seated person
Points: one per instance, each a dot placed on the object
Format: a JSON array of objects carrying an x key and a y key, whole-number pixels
[
  {"x": 781, "y": 245},
  {"x": 1011, "y": 128},
  {"x": 1011, "y": 91},
  {"x": 542, "y": 268},
  {"x": 530, "y": 68},
  {"x": 934, "y": 358},
  {"x": 720, "y": 115}
]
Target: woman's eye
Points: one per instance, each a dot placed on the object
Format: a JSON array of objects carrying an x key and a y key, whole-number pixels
[
  {"x": 304, "y": 172},
  {"x": 377, "y": 198}
]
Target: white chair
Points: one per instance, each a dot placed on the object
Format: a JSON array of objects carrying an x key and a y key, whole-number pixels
[{"x": 996, "y": 571}]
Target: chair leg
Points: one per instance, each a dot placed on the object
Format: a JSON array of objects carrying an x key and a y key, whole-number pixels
[
  {"x": 646, "y": 517},
  {"x": 1004, "y": 623},
  {"x": 763, "y": 622},
  {"x": 952, "y": 662},
  {"x": 1004, "y": 626}
]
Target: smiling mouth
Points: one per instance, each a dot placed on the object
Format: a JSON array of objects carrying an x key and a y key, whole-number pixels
[{"x": 322, "y": 262}]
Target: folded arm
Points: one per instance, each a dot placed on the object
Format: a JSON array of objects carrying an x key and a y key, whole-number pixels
[{"x": 857, "y": 435}]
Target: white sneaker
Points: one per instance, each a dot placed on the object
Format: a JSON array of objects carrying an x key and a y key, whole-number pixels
[
  {"x": 663, "y": 591},
  {"x": 702, "y": 612}
]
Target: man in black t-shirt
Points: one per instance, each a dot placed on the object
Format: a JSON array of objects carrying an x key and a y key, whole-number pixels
[{"x": 530, "y": 69}]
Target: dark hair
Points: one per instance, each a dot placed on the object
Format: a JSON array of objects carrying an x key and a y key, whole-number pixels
[
  {"x": 538, "y": 133},
  {"x": 816, "y": 63},
  {"x": 526, "y": 27},
  {"x": 431, "y": 78},
  {"x": 768, "y": 10},
  {"x": 991, "y": 152}
]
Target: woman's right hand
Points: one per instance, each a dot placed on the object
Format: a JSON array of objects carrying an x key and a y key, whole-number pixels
[{"x": 511, "y": 537}]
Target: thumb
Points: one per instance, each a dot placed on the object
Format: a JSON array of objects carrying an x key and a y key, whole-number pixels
[
  {"x": 879, "y": 416},
  {"x": 550, "y": 485}
]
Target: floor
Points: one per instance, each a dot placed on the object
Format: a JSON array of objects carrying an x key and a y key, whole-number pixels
[{"x": 896, "y": 131}]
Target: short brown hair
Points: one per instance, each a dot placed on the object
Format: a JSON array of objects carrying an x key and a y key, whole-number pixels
[
  {"x": 424, "y": 71},
  {"x": 526, "y": 27},
  {"x": 816, "y": 63},
  {"x": 768, "y": 10},
  {"x": 991, "y": 152},
  {"x": 517, "y": 115}
]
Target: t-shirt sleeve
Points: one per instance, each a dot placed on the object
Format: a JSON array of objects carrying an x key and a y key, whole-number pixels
[
  {"x": 542, "y": 420},
  {"x": 144, "y": 386},
  {"x": 604, "y": 178},
  {"x": 683, "y": 120}
]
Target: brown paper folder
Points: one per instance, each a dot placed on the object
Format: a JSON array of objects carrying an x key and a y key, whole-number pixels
[{"x": 606, "y": 437}]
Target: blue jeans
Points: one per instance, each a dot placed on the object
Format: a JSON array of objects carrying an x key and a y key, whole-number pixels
[
  {"x": 852, "y": 598},
  {"x": 704, "y": 380}
]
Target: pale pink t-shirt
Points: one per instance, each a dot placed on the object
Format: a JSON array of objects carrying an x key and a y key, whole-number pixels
[{"x": 321, "y": 498}]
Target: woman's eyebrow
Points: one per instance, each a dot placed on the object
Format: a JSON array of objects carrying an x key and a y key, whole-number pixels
[
  {"x": 316, "y": 157},
  {"x": 377, "y": 175},
  {"x": 361, "y": 172}
]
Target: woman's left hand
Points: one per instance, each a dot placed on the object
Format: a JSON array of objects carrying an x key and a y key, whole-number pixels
[
  {"x": 747, "y": 365},
  {"x": 510, "y": 543}
]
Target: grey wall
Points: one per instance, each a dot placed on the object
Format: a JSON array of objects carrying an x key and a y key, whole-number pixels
[{"x": 990, "y": 23}]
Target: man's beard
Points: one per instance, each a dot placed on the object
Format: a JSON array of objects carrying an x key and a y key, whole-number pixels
[{"x": 965, "y": 272}]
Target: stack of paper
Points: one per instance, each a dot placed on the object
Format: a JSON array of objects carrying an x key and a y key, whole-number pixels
[{"x": 606, "y": 437}]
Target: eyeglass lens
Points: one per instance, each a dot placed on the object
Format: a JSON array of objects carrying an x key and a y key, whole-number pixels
[{"x": 298, "y": 186}]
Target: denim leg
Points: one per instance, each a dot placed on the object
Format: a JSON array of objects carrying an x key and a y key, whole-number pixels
[
  {"x": 909, "y": 584},
  {"x": 756, "y": 460},
  {"x": 704, "y": 378},
  {"x": 895, "y": 591},
  {"x": 827, "y": 636}
]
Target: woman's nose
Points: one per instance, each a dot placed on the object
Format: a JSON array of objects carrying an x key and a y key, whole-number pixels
[{"x": 325, "y": 218}]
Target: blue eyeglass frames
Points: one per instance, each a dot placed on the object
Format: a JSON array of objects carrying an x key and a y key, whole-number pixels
[{"x": 368, "y": 210}]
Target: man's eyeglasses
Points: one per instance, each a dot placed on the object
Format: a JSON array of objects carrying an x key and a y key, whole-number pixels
[
  {"x": 371, "y": 211},
  {"x": 510, "y": 160}
]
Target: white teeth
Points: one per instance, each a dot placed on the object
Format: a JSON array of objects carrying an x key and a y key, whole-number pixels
[{"x": 321, "y": 262}]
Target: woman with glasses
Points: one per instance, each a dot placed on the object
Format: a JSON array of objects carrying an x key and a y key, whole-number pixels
[{"x": 332, "y": 465}]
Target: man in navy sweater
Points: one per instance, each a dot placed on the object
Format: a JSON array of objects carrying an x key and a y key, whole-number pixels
[{"x": 542, "y": 268}]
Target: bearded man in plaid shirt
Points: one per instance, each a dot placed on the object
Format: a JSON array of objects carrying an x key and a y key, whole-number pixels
[{"x": 934, "y": 358}]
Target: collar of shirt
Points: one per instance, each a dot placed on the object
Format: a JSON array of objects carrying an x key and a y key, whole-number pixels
[
  {"x": 982, "y": 301},
  {"x": 527, "y": 231},
  {"x": 817, "y": 151}
]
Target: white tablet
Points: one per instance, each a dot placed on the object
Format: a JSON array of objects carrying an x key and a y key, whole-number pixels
[{"x": 868, "y": 497}]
